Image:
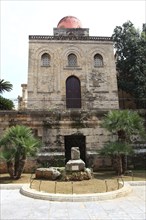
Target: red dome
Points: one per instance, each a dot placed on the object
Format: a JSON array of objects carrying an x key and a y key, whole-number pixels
[{"x": 69, "y": 22}]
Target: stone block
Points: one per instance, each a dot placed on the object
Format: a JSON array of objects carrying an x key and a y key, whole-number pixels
[
  {"x": 75, "y": 165},
  {"x": 47, "y": 173},
  {"x": 75, "y": 153}
]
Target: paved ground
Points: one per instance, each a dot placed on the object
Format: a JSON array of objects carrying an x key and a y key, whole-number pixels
[{"x": 15, "y": 206}]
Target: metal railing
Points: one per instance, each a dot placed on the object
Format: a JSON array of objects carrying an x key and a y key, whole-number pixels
[{"x": 107, "y": 183}]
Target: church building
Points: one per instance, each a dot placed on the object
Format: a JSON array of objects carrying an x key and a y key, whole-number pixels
[{"x": 72, "y": 83}]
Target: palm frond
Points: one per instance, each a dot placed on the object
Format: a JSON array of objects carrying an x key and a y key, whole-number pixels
[
  {"x": 19, "y": 139},
  {"x": 124, "y": 120},
  {"x": 116, "y": 148},
  {"x": 5, "y": 86}
]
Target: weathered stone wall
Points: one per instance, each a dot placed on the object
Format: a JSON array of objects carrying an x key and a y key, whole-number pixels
[
  {"x": 47, "y": 85},
  {"x": 52, "y": 127}
]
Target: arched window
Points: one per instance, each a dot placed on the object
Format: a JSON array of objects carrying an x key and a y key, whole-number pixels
[
  {"x": 45, "y": 59},
  {"x": 73, "y": 92},
  {"x": 72, "y": 60},
  {"x": 98, "y": 60}
]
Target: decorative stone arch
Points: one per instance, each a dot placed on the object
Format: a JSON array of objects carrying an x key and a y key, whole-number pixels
[
  {"x": 35, "y": 58},
  {"x": 72, "y": 50},
  {"x": 40, "y": 51},
  {"x": 73, "y": 92},
  {"x": 94, "y": 52},
  {"x": 45, "y": 59}
]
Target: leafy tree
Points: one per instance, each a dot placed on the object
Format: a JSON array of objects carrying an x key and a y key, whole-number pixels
[
  {"x": 5, "y": 104},
  {"x": 122, "y": 124},
  {"x": 16, "y": 144},
  {"x": 130, "y": 47}
]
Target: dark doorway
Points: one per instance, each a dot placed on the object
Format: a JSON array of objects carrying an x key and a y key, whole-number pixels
[
  {"x": 75, "y": 141},
  {"x": 73, "y": 92}
]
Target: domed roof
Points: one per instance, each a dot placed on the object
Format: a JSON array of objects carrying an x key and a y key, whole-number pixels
[{"x": 69, "y": 22}]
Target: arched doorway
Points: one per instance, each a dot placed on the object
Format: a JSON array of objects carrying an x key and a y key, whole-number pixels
[{"x": 73, "y": 92}]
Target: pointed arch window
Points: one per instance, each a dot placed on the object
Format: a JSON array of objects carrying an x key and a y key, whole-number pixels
[
  {"x": 98, "y": 60},
  {"x": 72, "y": 60},
  {"x": 45, "y": 59},
  {"x": 73, "y": 92}
]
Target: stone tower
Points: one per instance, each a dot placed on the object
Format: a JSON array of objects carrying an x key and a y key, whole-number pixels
[{"x": 71, "y": 69}]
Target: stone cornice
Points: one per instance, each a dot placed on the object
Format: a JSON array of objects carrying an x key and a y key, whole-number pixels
[{"x": 83, "y": 38}]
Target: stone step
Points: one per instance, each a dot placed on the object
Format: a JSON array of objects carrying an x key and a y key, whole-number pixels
[
  {"x": 51, "y": 154},
  {"x": 50, "y": 150}
]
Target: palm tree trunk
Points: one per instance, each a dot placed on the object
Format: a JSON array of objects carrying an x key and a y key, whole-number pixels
[
  {"x": 16, "y": 164},
  {"x": 114, "y": 163},
  {"x": 121, "y": 135},
  {"x": 19, "y": 165},
  {"x": 20, "y": 168},
  {"x": 119, "y": 165},
  {"x": 10, "y": 169},
  {"x": 124, "y": 163},
  {"x": 16, "y": 167}
]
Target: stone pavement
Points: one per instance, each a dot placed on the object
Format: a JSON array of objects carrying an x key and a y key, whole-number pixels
[{"x": 15, "y": 206}]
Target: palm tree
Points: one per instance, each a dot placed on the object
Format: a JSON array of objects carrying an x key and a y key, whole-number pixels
[
  {"x": 116, "y": 150},
  {"x": 123, "y": 124},
  {"x": 16, "y": 144},
  {"x": 5, "y": 86},
  {"x": 5, "y": 104}
]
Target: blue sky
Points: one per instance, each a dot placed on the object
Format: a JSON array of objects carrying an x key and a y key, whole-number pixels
[{"x": 19, "y": 19}]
